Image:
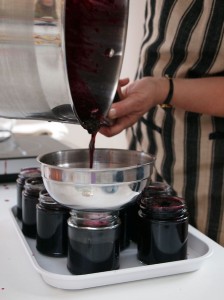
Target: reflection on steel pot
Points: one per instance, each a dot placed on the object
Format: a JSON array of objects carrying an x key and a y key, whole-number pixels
[
  {"x": 116, "y": 178},
  {"x": 60, "y": 58}
]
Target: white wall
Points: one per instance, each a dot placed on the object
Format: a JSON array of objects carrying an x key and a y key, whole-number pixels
[
  {"x": 134, "y": 37},
  {"x": 76, "y": 136}
]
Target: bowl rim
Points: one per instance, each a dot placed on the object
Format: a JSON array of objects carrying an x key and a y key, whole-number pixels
[{"x": 151, "y": 157}]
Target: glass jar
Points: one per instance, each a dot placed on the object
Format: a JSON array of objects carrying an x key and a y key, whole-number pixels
[
  {"x": 124, "y": 228},
  {"x": 152, "y": 189},
  {"x": 51, "y": 238},
  {"x": 163, "y": 223},
  {"x": 30, "y": 198},
  {"x": 22, "y": 176},
  {"x": 93, "y": 242}
]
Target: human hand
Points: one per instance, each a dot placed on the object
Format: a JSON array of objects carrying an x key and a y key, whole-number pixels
[{"x": 135, "y": 100}]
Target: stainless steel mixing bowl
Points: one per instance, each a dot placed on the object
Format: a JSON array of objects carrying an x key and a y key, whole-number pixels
[
  {"x": 116, "y": 178},
  {"x": 39, "y": 78}
]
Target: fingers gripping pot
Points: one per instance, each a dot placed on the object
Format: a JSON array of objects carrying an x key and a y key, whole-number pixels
[{"x": 60, "y": 58}]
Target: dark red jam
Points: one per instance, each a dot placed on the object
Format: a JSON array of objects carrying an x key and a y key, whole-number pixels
[
  {"x": 92, "y": 149},
  {"x": 82, "y": 18},
  {"x": 93, "y": 242},
  {"x": 163, "y": 224},
  {"x": 23, "y": 175},
  {"x": 30, "y": 198},
  {"x": 51, "y": 238},
  {"x": 152, "y": 189},
  {"x": 90, "y": 58}
]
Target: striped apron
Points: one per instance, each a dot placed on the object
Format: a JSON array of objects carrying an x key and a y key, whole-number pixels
[{"x": 184, "y": 38}]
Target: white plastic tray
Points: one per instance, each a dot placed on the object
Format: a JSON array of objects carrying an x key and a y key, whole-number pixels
[{"x": 54, "y": 270}]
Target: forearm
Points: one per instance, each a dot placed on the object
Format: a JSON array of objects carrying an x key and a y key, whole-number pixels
[{"x": 203, "y": 95}]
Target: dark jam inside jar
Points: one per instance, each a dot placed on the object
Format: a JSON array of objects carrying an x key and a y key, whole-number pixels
[
  {"x": 152, "y": 189},
  {"x": 93, "y": 242},
  {"x": 52, "y": 218},
  {"x": 166, "y": 208},
  {"x": 124, "y": 228},
  {"x": 22, "y": 176},
  {"x": 30, "y": 197},
  {"x": 163, "y": 223}
]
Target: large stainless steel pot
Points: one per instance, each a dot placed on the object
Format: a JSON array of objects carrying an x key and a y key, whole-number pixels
[{"x": 54, "y": 59}]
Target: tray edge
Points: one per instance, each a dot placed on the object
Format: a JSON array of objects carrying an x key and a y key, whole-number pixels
[{"x": 79, "y": 282}]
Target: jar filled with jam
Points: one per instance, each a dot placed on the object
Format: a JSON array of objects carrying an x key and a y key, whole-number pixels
[
  {"x": 155, "y": 188},
  {"x": 93, "y": 241},
  {"x": 51, "y": 238},
  {"x": 30, "y": 198},
  {"x": 163, "y": 224},
  {"x": 22, "y": 176},
  {"x": 124, "y": 228},
  {"x": 129, "y": 218}
]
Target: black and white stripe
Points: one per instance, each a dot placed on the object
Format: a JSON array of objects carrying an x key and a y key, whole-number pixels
[{"x": 189, "y": 147}]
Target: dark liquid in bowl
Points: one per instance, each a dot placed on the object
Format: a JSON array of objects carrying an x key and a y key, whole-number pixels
[
  {"x": 91, "y": 63},
  {"x": 84, "y": 54}
]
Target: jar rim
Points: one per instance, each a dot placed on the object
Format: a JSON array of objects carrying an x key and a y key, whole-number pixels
[
  {"x": 94, "y": 219},
  {"x": 166, "y": 202},
  {"x": 164, "y": 206}
]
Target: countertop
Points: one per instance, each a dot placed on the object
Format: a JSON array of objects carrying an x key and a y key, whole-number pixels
[{"x": 19, "y": 280}]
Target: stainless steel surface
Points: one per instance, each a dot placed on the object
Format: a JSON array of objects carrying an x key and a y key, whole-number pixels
[
  {"x": 33, "y": 70},
  {"x": 5, "y": 130},
  {"x": 116, "y": 178}
]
